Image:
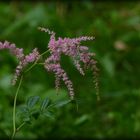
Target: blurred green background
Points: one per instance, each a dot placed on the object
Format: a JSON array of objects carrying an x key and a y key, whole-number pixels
[{"x": 116, "y": 27}]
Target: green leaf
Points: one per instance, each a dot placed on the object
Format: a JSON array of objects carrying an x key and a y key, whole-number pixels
[
  {"x": 32, "y": 101},
  {"x": 45, "y": 104},
  {"x": 24, "y": 114},
  {"x": 82, "y": 119},
  {"x": 23, "y": 111},
  {"x": 49, "y": 114},
  {"x": 108, "y": 64},
  {"x": 61, "y": 103}
]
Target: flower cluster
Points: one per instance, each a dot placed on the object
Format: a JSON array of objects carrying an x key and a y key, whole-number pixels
[
  {"x": 23, "y": 59},
  {"x": 74, "y": 49},
  {"x": 68, "y": 46}
]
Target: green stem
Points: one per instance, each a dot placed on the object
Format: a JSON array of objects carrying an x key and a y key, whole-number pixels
[
  {"x": 20, "y": 126},
  {"x": 31, "y": 66},
  {"x": 40, "y": 63},
  {"x": 15, "y": 99},
  {"x": 14, "y": 107},
  {"x": 44, "y": 53}
]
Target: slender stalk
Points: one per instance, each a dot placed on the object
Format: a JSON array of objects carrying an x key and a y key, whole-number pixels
[
  {"x": 20, "y": 126},
  {"x": 45, "y": 52},
  {"x": 14, "y": 108},
  {"x": 15, "y": 99},
  {"x": 17, "y": 129},
  {"x": 31, "y": 66},
  {"x": 40, "y": 63}
]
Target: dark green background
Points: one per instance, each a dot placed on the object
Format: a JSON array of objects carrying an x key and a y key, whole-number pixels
[{"x": 116, "y": 27}]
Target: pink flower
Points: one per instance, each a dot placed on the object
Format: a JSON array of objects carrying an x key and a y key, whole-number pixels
[
  {"x": 23, "y": 59},
  {"x": 13, "y": 50},
  {"x": 72, "y": 48},
  {"x": 60, "y": 74},
  {"x": 32, "y": 56}
]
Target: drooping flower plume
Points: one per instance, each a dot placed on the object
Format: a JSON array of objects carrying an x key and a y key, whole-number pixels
[
  {"x": 71, "y": 47},
  {"x": 24, "y": 60}
]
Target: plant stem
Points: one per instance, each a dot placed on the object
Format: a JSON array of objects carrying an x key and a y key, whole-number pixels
[
  {"x": 40, "y": 63},
  {"x": 14, "y": 108},
  {"x": 31, "y": 66},
  {"x": 20, "y": 126},
  {"x": 44, "y": 53},
  {"x": 15, "y": 99}
]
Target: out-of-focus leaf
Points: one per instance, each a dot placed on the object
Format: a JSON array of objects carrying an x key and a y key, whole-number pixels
[
  {"x": 133, "y": 21},
  {"x": 81, "y": 120},
  {"x": 33, "y": 17},
  {"x": 27, "y": 119},
  {"x": 5, "y": 82},
  {"x": 31, "y": 101},
  {"x": 45, "y": 103},
  {"x": 24, "y": 114},
  {"x": 49, "y": 114},
  {"x": 23, "y": 110},
  {"x": 61, "y": 103},
  {"x": 108, "y": 65}
]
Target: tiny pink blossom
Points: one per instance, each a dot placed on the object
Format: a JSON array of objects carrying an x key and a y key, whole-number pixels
[{"x": 32, "y": 56}]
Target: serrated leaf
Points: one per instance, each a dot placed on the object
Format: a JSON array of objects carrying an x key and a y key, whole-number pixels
[
  {"x": 32, "y": 101},
  {"x": 44, "y": 104}
]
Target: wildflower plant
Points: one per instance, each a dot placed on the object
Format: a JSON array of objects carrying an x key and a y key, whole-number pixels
[{"x": 56, "y": 48}]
